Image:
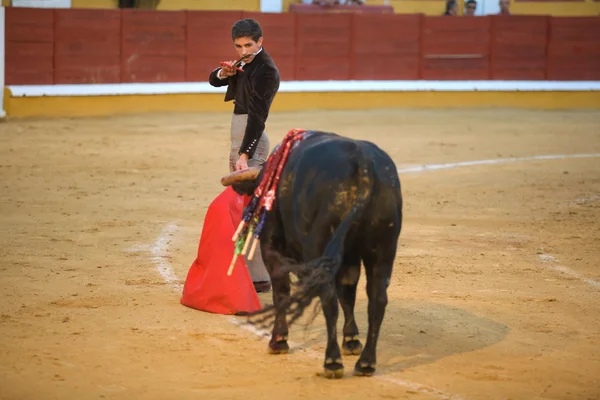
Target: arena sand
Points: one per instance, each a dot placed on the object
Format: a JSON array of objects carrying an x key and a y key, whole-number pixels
[{"x": 494, "y": 293}]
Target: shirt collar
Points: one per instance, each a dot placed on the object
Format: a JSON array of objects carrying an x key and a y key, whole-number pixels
[{"x": 243, "y": 63}]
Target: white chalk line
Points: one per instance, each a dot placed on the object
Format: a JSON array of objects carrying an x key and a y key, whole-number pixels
[
  {"x": 585, "y": 200},
  {"x": 547, "y": 258},
  {"x": 159, "y": 253},
  {"x": 496, "y": 161}
]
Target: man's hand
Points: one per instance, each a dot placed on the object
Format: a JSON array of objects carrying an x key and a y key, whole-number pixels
[
  {"x": 242, "y": 162},
  {"x": 227, "y": 69}
]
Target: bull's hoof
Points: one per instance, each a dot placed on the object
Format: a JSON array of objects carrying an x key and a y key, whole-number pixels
[
  {"x": 333, "y": 369},
  {"x": 279, "y": 347},
  {"x": 364, "y": 369},
  {"x": 351, "y": 346}
]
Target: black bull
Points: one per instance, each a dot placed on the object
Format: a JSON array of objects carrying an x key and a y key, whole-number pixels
[{"x": 338, "y": 203}]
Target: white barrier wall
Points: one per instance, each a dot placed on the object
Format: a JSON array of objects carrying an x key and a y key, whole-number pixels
[
  {"x": 115, "y": 89},
  {"x": 272, "y": 6}
]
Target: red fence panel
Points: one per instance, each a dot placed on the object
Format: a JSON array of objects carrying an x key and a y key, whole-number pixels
[
  {"x": 87, "y": 46},
  {"x": 153, "y": 46},
  {"x": 455, "y": 48},
  {"x": 46, "y": 46},
  {"x": 338, "y": 8},
  {"x": 279, "y": 32},
  {"x": 518, "y": 47},
  {"x": 29, "y": 52},
  {"x": 208, "y": 42},
  {"x": 574, "y": 48},
  {"x": 323, "y": 46},
  {"x": 386, "y": 46}
]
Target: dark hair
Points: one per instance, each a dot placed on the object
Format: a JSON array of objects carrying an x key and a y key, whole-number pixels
[
  {"x": 449, "y": 5},
  {"x": 246, "y": 27}
]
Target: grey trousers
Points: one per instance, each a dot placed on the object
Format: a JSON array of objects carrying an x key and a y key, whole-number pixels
[
  {"x": 256, "y": 266},
  {"x": 238, "y": 128}
]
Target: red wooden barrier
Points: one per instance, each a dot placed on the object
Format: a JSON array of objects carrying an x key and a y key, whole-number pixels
[
  {"x": 279, "y": 32},
  {"x": 208, "y": 42},
  {"x": 46, "y": 46},
  {"x": 364, "y": 9},
  {"x": 455, "y": 48},
  {"x": 323, "y": 46},
  {"x": 153, "y": 46},
  {"x": 29, "y": 53},
  {"x": 518, "y": 47},
  {"x": 386, "y": 47},
  {"x": 87, "y": 46},
  {"x": 574, "y": 49}
]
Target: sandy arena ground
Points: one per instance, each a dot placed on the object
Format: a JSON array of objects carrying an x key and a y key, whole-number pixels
[{"x": 495, "y": 292}]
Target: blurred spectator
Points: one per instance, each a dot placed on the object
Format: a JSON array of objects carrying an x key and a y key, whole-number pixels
[
  {"x": 504, "y": 5},
  {"x": 470, "y": 7},
  {"x": 451, "y": 8}
]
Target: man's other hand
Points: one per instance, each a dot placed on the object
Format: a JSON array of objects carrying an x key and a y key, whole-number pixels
[{"x": 242, "y": 162}]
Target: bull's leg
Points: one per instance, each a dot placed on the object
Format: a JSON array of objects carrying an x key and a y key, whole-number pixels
[
  {"x": 346, "y": 287},
  {"x": 314, "y": 246},
  {"x": 279, "y": 336},
  {"x": 281, "y": 296},
  {"x": 378, "y": 278},
  {"x": 333, "y": 366}
]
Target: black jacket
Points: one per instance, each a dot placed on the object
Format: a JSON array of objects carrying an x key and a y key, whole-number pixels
[{"x": 253, "y": 91}]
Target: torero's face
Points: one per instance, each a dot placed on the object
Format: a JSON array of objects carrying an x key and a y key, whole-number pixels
[{"x": 245, "y": 45}]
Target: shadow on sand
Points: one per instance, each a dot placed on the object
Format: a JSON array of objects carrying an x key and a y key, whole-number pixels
[{"x": 413, "y": 333}]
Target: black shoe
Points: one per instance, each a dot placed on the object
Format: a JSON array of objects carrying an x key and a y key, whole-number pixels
[{"x": 264, "y": 286}]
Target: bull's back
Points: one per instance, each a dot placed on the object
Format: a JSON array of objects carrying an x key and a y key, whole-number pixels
[
  {"x": 321, "y": 183},
  {"x": 324, "y": 165},
  {"x": 318, "y": 185}
]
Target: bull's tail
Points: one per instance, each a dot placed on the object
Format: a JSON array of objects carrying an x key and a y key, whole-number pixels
[{"x": 317, "y": 278}]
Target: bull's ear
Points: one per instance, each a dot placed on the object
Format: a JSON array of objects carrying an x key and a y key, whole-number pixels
[{"x": 248, "y": 174}]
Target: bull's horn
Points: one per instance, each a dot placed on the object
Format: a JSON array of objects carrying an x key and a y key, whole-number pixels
[{"x": 247, "y": 174}]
